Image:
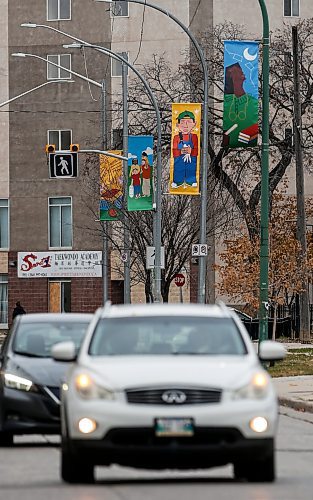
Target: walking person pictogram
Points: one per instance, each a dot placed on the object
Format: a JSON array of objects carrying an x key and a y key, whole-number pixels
[{"x": 64, "y": 166}]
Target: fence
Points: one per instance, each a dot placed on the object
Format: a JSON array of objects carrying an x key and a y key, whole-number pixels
[{"x": 287, "y": 323}]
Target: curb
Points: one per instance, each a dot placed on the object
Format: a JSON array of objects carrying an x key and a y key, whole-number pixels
[{"x": 296, "y": 405}]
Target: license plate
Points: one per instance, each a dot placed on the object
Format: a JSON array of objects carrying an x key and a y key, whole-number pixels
[{"x": 168, "y": 427}]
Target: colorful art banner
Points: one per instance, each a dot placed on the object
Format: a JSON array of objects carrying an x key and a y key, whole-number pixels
[
  {"x": 241, "y": 105},
  {"x": 111, "y": 186},
  {"x": 140, "y": 173},
  {"x": 185, "y": 148}
]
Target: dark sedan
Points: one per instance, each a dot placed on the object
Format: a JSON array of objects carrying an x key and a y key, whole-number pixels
[{"x": 30, "y": 379}]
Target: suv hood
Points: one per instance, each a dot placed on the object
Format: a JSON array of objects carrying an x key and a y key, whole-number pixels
[{"x": 125, "y": 372}]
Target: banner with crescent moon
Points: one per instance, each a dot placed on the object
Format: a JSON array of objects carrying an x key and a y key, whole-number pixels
[{"x": 241, "y": 95}]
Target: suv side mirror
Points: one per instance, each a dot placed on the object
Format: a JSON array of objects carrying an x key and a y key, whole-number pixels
[
  {"x": 269, "y": 350},
  {"x": 64, "y": 351}
]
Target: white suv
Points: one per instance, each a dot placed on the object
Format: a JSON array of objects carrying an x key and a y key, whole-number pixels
[{"x": 168, "y": 386}]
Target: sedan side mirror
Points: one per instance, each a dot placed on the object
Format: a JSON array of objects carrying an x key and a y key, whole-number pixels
[
  {"x": 64, "y": 351},
  {"x": 269, "y": 350}
]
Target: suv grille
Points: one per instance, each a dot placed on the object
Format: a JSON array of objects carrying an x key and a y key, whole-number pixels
[{"x": 173, "y": 396}]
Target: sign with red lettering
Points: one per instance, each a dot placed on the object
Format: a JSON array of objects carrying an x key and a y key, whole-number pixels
[
  {"x": 179, "y": 279},
  {"x": 66, "y": 264}
]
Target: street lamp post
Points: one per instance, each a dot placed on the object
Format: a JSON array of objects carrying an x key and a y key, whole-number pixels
[
  {"x": 205, "y": 131},
  {"x": 32, "y": 90},
  {"x": 157, "y": 236},
  {"x": 264, "y": 246},
  {"x": 157, "y": 214},
  {"x": 93, "y": 82}
]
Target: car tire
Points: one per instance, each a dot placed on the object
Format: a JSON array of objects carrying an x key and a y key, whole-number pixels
[
  {"x": 75, "y": 469},
  {"x": 6, "y": 439},
  {"x": 256, "y": 470}
]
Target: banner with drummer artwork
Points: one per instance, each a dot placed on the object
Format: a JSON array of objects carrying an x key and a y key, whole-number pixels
[
  {"x": 240, "y": 117},
  {"x": 185, "y": 149}
]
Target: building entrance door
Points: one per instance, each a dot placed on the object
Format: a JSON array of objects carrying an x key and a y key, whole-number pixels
[{"x": 59, "y": 296}]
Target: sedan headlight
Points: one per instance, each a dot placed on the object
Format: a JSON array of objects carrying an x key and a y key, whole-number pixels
[
  {"x": 257, "y": 388},
  {"x": 87, "y": 388},
  {"x": 22, "y": 384}
]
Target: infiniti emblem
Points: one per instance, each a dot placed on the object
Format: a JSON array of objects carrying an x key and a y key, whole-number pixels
[{"x": 174, "y": 397}]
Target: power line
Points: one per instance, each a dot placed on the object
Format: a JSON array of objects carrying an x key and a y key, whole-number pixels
[
  {"x": 195, "y": 13},
  {"x": 141, "y": 32}
]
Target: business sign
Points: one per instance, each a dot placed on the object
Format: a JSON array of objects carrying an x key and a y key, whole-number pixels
[
  {"x": 63, "y": 165},
  {"x": 69, "y": 264}
]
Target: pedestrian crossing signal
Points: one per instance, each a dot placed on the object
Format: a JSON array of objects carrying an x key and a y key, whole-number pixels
[
  {"x": 50, "y": 148},
  {"x": 74, "y": 148}
]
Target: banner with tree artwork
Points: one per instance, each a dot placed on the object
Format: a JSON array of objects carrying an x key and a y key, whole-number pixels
[{"x": 111, "y": 186}]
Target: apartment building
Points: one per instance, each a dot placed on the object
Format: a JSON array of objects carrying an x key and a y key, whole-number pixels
[{"x": 40, "y": 214}]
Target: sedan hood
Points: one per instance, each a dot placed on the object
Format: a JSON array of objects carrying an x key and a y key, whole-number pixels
[
  {"x": 41, "y": 371},
  {"x": 129, "y": 372}
]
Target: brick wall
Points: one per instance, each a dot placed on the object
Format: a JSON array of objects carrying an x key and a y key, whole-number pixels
[
  {"x": 32, "y": 293},
  {"x": 86, "y": 294}
]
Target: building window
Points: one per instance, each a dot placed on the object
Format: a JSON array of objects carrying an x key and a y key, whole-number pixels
[
  {"x": 4, "y": 224},
  {"x": 60, "y": 222},
  {"x": 3, "y": 299},
  {"x": 58, "y": 9},
  {"x": 291, "y": 8},
  {"x": 62, "y": 139},
  {"x": 116, "y": 65},
  {"x": 117, "y": 139},
  {"x": 119, "y": 9},
  {"x": 55, "y": 73}
]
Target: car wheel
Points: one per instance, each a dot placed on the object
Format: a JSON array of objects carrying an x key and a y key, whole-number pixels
[
  {"x": 6, "y": 439},
  {"x": 75, "y": 470},
  {"x": 256, "y": 470}
]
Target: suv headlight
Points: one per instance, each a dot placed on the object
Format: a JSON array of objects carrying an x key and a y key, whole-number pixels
[
  {"x": 22, "y": 384},
  {"x": 257, "y": 388},
  {"x": 87, "y": 388}
]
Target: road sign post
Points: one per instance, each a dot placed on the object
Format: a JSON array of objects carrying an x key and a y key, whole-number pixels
[
  {"x": 179, "y": 280},
  {"x": 150, "y": 258}
]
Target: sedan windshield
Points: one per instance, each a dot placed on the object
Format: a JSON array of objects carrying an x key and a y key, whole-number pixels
[
  {"x": 167, "y": 335},
  {"x": 36, "y": 339}
]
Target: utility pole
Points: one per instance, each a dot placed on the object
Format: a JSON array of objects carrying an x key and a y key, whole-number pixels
[
  {"x": 105, "y": 248},
  {"x": 127, "y": 299},
  {"x": 301, "y": 217}
]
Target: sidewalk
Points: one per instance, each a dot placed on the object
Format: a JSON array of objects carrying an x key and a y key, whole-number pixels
[{"x": 295, "y": 392}]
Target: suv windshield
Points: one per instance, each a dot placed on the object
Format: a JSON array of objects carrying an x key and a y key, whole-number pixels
[
  {"x": 166, "y": 335},
  {"x": 36, "y": 339}
]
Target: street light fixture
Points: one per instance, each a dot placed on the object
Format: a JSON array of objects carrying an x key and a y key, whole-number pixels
[
  {"x": 157, "y": 236},
  {"x": 205, "y": 132},
  {"x": 32, "y": 90}
]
